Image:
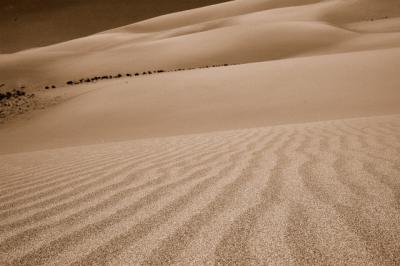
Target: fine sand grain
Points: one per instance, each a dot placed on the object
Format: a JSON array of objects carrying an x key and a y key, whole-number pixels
[
  {"x": 313, "y": 193},
  {"x": 287, "y": 153}
]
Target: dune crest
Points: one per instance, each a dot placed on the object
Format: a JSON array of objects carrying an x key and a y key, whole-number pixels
[{"x": 237, "y": 32}]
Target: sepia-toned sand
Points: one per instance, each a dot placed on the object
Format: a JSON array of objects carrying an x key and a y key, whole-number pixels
[
  {"x": 235, "y": 32},
  {"x": 314, "y": 193},
  {"x": 298, "y": 90},
  {"x": 288, "y": 156}
]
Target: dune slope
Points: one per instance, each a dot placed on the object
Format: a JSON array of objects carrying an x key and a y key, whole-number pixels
[
  {"x": 237, "y": 32},
  {"x": 251, "y": 95},
  {"x": 317, "y": 193},
  {"x": 289, "y": 157}
]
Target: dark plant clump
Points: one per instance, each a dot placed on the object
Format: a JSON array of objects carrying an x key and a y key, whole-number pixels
[
  {"x": 93, "y": 79},
  {"x": 12, "y": 94},
  {"x": 20, "y": 93}
]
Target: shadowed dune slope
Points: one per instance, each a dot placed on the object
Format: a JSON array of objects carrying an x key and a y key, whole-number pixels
[
  {"x": 276, "y": 92},
  {"x": 237, "y": 32},
  {"x": 318, "y": 193}
]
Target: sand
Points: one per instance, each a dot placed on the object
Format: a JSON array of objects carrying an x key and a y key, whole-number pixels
[
  {"x": 290, "y": 155},
  {"x": 312, "y": 193},
  {"x": 237, "y": 32},
  {"x": 205, "y": 100}
]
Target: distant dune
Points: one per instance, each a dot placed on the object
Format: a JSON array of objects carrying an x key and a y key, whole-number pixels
[
  {"x": 236, "y": 32},
  {"x": 21, "y": 20},
  {"x": 287, "y": 153}
]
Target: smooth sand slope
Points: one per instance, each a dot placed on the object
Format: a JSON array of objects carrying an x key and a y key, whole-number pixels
[
  {"x": 324, "y": 193},
  {"x": 251, "y": 95},
  {"x": 235, "y": 32},
  {"x": 21, "y": 20}
]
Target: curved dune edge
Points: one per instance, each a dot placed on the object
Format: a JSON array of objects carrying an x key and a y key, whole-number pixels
[
  {"x": 237, "y": 32},
  {"x": 287, "y": 91},
  {"x": 313, "y": 193}
]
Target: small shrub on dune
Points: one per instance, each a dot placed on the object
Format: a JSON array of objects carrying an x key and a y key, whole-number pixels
[
  {"x": 137, "y": 74},
  {"x": 70, "y": 82},
  {"x": 47, "y": 87},
  {"x": 53, "y": 86}
]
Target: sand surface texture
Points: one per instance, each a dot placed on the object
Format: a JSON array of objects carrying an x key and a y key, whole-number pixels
[
  {"x": 290, "y": 155},
  {"x": 314, "y": 193}
]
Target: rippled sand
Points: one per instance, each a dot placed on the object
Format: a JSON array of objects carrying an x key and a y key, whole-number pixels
[{"x": 313, "y": 193}]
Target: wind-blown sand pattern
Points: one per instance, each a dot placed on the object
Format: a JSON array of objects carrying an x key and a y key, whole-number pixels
[
  {"x": 191, "y": 139},
  {"x": 313, "y": 193}
]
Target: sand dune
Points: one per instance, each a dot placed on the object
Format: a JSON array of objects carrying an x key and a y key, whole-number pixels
[
  {"x": 317, "y": 193},
  {"x": 288, "y": 156},
  {"x": 237, "y": 32},
  {"x": 251, "y": 95}
]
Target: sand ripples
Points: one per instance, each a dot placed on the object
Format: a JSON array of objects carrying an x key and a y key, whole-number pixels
[{"x": 319, "y": 193}]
